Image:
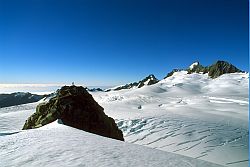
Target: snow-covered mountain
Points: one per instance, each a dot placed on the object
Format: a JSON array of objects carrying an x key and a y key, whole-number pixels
[
  {"x": 215, "y": 70},
  {"x": 149, "y": 80},
  {"x": 188, "y": 114},
  {"x": 192, "y": 66},
  {"x": 186, "y": 119}
]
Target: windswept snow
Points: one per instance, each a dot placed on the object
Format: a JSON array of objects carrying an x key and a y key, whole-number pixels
[
  {"x": 186, "y": 114},
  {"x": 59, "y": 145}
]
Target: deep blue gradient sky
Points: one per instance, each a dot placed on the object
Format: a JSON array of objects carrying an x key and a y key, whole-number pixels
[{"x": 97, "y": 42}]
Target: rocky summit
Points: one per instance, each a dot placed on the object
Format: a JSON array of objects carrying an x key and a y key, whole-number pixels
[
  {"x": 215, "y": 70},
  {"x": 75, "y": 107},
  {"x": 220, "y": 68},
  {"x": 149, "y": 80}
]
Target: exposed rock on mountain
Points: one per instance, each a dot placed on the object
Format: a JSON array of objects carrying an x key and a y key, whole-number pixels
[
  {"x": 18, "y": 98},
  {"x": 149, "y": 80},
  {"x": 192, "y": 66},
  {"x": 196, "y": 67},
  {"x": 220, "y": 68},
  {"x": 76, "y": 108},
  {"x": 172, "y": 72},
  {"x": 215, "y": 70},
  {"x": 127, "y": 86}
]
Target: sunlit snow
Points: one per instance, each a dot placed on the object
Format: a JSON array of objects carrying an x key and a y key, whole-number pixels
[{"x": 186, "y": 114}]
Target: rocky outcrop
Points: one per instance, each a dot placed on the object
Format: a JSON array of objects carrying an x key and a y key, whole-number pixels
[
  {"x": 76, "y": 108},
  {"x": 196, "y": 68},
  {"x": 220, "y": 68},
  {"x": 149, "y": 80},
  {"x": 127, "y": 86},
  {"x": 172, "y": 72},
  {"x": 215, "y": 70}
]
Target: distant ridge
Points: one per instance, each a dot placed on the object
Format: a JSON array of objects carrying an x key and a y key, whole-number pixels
[
  {"x": 215, "y": 70},
  {"x": 94, "y": 89},
  {"x": 7, "y": 100},
  {"x": 149, "y": 80}
]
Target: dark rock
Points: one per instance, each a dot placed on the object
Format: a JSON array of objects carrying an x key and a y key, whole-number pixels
[
  {"x": 172, "y": 72},
  {"x": 149, "y": 80},
  {"x": 18, "y": 98},
  {"x": 215, "y": 70},
  {"x": 196, "y": 69},
  {"x": 107, "y": 90},
  {"x": 76, "y": 108},
  {"x": 127, "y": 86},
  {"x": 220, "y": 68}
]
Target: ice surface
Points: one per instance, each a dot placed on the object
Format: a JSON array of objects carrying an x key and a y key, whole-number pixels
[
  {"x": 59, "y": 145},
  {"x": 186, "y": 114}
]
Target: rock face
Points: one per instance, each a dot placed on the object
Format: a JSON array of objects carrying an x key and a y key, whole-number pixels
[
  {"x": 221, "y": 67},
  {"x": 197, "y": 68},
  {"x": 18, "y": 98},
  {"x": 215, "y": 70},
  {"x": 149, "y": 80},
  {"x": 76, "y": 108},
  {"x": 172, "y": 72}
]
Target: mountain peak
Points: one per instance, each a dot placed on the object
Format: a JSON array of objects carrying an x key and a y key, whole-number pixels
[
  {"x": 150, "y": 77},
  {"x": 220, "y": 68},
  {"x": 215, "y": 70},
  {"x": 196, "y": 63},
  {"x": 149, "y": 80}
]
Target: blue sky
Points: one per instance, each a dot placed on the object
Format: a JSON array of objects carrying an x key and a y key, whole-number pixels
[{"x": 96, "y": 42}]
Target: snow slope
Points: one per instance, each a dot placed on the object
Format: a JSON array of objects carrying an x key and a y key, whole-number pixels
[
  {"x": 59, "y": 145},
  {"x": 13, "y": 118},
  {"x": 187, "y": 114}
]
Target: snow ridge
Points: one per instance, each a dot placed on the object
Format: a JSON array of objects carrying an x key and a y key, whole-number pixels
[
  {"x": 58, "y": 145},
  {"x": 193, "y": 65}
]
